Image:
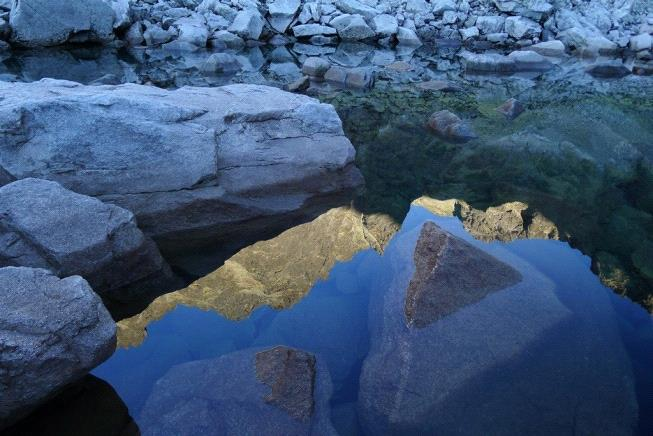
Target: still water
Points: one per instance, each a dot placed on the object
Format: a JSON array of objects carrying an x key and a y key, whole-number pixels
[{"x": 562, "y": 195}]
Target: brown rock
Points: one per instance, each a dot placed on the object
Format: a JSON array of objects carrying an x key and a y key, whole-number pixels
[
  {"x": 290, "y": 374},
  {"x": 511, "y": 109},
  {"x": 450, "y": 127},
  {"x": 449, "y": 274}
]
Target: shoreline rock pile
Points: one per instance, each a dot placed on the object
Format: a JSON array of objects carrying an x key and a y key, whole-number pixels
[{"x": 600, "y": 27}]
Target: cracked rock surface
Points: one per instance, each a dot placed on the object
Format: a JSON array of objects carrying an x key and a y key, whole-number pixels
[{"x": 52, "y": 332}]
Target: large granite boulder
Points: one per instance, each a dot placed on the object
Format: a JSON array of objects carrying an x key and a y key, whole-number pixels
[
  {"x": 278, "y": 391},
  {"x": 52, "y": 332},
  {"x": 41, "y": 23},
  {"x": 192, "y": 164},
  {"x": 482, "y": 352},
  {"x": 43, "y": 225}
]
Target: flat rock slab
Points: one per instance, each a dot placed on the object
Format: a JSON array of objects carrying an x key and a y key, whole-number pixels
[
  {"x": 191, "y": 164},
  {"x": 52, "y": 332},
  {"x": 44, "y": 225},
  {"x": 254, "y": 391}
]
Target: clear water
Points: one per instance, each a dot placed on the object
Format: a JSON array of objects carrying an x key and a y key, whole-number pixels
[{"x": 568, "y": 351}]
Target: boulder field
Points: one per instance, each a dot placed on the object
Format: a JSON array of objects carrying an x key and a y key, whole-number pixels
[
  {"x": 597, "y": 27},
  {"x": 192, "y": 164}
]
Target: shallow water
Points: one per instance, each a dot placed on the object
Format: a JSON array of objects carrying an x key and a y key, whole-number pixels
[{"x": 562, "y": 352}]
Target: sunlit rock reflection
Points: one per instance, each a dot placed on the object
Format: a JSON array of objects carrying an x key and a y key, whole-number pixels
[
  {"x": 506, "y": 222},
  {"x": 276, "y": 273}
]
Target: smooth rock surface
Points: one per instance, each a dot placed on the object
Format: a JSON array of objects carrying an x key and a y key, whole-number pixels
[
  {"x": 254, "y": 391},
  {"x": 191, "y": 164},
  {"x": 450, "y": 127},
  {"x": 43, "y": 225},
  {"x": 53, "y": 332}
]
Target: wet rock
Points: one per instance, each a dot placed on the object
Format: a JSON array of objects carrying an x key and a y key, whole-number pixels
[
  {"x": 549, "y": 48},
  {"x": 198, "y": 177},
  {"x": 527, "y": 60},
  {"x": 449, "y": 274},
  {"x": 248, "y": 24},
  {"x": 37, "y": 23},
  {"x": 358, "y": 78},
  {"x": 229, "y": 40},
  {"x": 489, "y": 62},
  {"x": 511, "y": 109},
  {"x": 608, "y": 69},
  {"x": 221, "y": 63},
  {"x": 290, "y": 374},
  {"x": 439, "y": 85},
  {"x": 277, "y": 391},
  {"x": 278, "y": 272},
  {"x": 481, "y": 365},
  {"x": 316, "y": 67},
  {"x": 299, "y": 85},
  {"x": 43, "y": 225},
  {"x": 450, "y": 127},
  {"x": 54, "y": 331}
]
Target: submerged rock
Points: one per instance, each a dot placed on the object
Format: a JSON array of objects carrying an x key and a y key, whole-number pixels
[
  {"x": 491, "y": 365},
  {"x": 53, "y": 332},
  {"x": 609, "y": 69},
  {"x": 44, "y": 225},
  {"x": 511, "y": 109},
  {"x": 37, "y": 23},
  {"x": 279, "y": 391},
  {"x": 450, "y": 127},
  {"x": 277, "y": 273},
  {"x": 193, "y": 164},
  {"x": 450, "y": 274}
]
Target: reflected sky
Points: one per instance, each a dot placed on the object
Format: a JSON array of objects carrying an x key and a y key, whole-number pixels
[{"x": 336, "y": 322}]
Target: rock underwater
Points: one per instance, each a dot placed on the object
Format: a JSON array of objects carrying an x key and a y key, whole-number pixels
[
  {"x": 278, "y": 391},
  {"x": 494, "y": 362},
  {"x": 192, "y": 164},
  {"x": 52, "y": 332}
]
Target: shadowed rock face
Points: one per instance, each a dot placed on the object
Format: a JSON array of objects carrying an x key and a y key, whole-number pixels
[
  {"x": 278, "y": 272},
  {"x": 291, "y": 376},
  {"x": 450, "y": 274},
  {"x": 90, "y": 407},
  {"x": 279, "y": 391},
  {"x": 52, "y": 332},
  {"x": 43, "y": 225}
]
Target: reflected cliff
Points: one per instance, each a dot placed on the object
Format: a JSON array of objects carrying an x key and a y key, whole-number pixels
[
  {"x": 580, "y": 157},
  {"x": 277, "y": 272}
]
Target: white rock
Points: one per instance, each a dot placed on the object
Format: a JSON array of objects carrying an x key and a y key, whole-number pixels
[
  {"x": 385, "y": 25},
  {"x": 248, "y": 24},
  {"x": 641, "y": 42},
  {"x": 407, "y": 37},
  {"x": 552, "y": 48},
  {"x": 520, "y": 27}
]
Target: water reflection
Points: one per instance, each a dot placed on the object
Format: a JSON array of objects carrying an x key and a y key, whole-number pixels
[{"x": 545, "y": 354}]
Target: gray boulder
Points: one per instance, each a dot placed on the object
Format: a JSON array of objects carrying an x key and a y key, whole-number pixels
[
  {"x": 356, "y": 7},
  {"x": 490, "y": 24},
  {"x": 53, "y": 332},
  {"x": 527, "y": 60},
  {"x": 248, "y": 24},
  {"x": 44, "y": 225},
  {"x": 308, "y": 30},
  {"x": 54, "y": 22},
  {"x": 282, "y": 13},
  {"x": 385, "y": 25},
  {"x": 192, "y": 164},
  {"x": 278, "y": 391},
  {"x": 488, "y": 62},
  {"x": 520, "y": 28},
  {"x": 609, "y": 69},
  {"x": 552, "y": 48},
  {"x": 315, "y": 67}
]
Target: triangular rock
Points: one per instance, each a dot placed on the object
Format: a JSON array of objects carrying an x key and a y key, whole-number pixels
[{"x": 450, "y": 274}]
